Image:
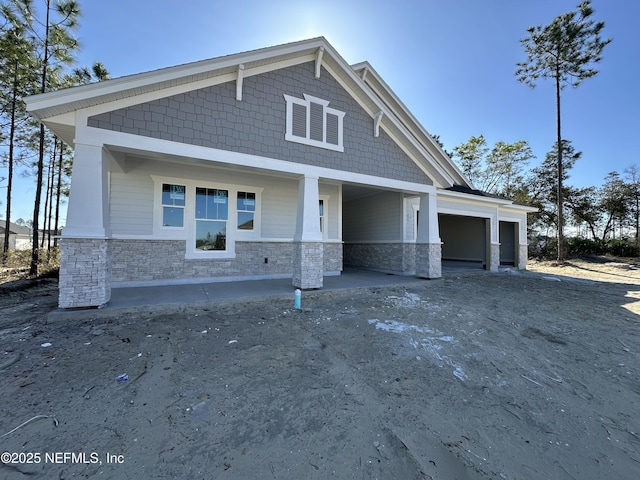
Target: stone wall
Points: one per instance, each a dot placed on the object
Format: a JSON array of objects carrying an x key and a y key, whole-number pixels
[
  {"x": 429, "y": 260},
  {"x": 89, "y": 266},
  {"x": 152, "y": 260},
  {"x": 392, "y": 257},
  {"x": 494, "y": 257},
  {"x": 85, "y": 274},
  {"x": 308, "y": 264},
  {"x": 523, "y": 256},
  {"x": 156, "y": 260},
  {"x": 332, "y": 257}
]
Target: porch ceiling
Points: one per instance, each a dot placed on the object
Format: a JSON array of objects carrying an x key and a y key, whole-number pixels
[
  {"x": 123, "y": 156},
  {"x": 353, "y": 192}
]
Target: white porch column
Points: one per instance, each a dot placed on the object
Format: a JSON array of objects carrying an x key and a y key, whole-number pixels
[
  {"x": 307, "y": 242},
  {"x": 88, "y": 210},
  {"x": 85, "y": 268},
  {"x": 428, "y": 243}
]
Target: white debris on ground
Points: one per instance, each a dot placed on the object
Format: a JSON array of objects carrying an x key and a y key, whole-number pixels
[
  {"x": 407, "y": 300},
  {"x": 429, "y": 340},
  {"x": 510, "y": 271}
]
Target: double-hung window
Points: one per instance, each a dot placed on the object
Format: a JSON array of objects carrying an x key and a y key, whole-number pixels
[
  {"x": 312, "y": 122},
  {"x": 173, "y": 203},
  {"x": 211, "y": 216},
  {"x": 246, "y": 208},
  {"x": 323, "y": 210}
]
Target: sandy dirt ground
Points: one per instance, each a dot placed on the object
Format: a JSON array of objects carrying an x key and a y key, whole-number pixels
[{"x": 476, "y": 376}]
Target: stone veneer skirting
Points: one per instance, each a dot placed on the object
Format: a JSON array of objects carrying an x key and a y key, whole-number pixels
[
  {"x": 392, "y": 257},
  {"x": 308, "y": 261},
  {"x": 85, "y": 273},
  {"x": 523, "y": 256},
  {"x": 429, "y": 260},
  {"x": 332, "y": 257},
  {"x": 494, "y": 257},
  {"x": 157, "y": 260}
]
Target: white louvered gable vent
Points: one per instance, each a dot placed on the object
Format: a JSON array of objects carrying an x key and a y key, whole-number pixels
[
  {"x": 312, "y": 122},
  {"x": 299, "y": 120},
  {"x": 333, "y": 122},
  {"x": 316, "y": 117}
]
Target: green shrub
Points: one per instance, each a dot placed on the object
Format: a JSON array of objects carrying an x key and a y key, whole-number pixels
[
  {"x": 547, "y": 248},
  {"x": 543, "y": 248},
  {"x": 577, "y": 246},
  {"x": 621, "y": 247}
]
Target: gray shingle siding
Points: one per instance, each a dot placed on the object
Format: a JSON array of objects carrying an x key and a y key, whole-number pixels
[{"x": 211, "y": 117}]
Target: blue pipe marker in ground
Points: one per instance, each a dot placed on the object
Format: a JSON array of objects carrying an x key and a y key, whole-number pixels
[{"x": 298, "y": 295}]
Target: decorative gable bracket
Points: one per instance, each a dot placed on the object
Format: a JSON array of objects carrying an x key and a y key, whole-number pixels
[
  {"x": 376, "y": 123},
  {"x": 239, "y": 81},
  {"x": 319, "y": 54}
]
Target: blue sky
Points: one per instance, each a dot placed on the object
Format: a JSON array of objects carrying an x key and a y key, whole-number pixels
[{"x": 451, "y": 62}]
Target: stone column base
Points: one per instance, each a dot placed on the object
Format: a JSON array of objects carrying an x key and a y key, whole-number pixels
[
  {"x": 308, "y": 265},
  {"x": 523, "y": 256},
  {"x": 85, "y": 272},
  {"x": 494, "y": 258},
  {"x": 429, "y": 260}
]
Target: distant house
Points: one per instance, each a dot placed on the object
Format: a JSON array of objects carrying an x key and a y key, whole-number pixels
[
  {"x": 279, "y": 162},
  {"x": 19, "y": 236}
]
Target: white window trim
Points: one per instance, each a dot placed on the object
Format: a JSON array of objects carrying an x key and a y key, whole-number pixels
[
  {"x": 416, "y": 212},
  {"x": 306, "y": 103},
  {"x": 188, "y": 233},
  {"x": 249, "y": 231},
  {"x": 325, "y": 224},
  {"x": 184, "y": 208}
]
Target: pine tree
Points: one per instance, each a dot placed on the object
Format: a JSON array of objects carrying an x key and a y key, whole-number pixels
[
  {"x": 565, "y": 51},
  {"x": 17, "y": 65},
  {"x": 55, "y": 46}
]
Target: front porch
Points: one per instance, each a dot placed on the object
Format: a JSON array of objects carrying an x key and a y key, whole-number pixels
[{"x": 193, "y": 293}]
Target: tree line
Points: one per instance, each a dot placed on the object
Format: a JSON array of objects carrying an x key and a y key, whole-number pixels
[
  {"x": 37, "y": 54},
  {"x": 597, "y": 214}
]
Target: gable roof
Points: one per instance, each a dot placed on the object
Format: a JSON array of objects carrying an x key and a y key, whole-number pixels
[
  {"x": 14, "y": 228},
  {"x": 371, "y": 77},
  {"x": 57, "y": 109}
]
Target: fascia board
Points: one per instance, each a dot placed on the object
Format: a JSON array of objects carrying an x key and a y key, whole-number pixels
[
  {"x": 522, "y": 208},
  {"x": 390, "y": 112},
  {"x": 37, "y": 104},
  {"x": 504, "y": 204},
  {"x": 466, "y": 197},
  {"x": 119, "y": 103},
  {"x": 45, "y": 113},
  {"x": 398, "y": 104},
  {"x": 389, "y": 116}
]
